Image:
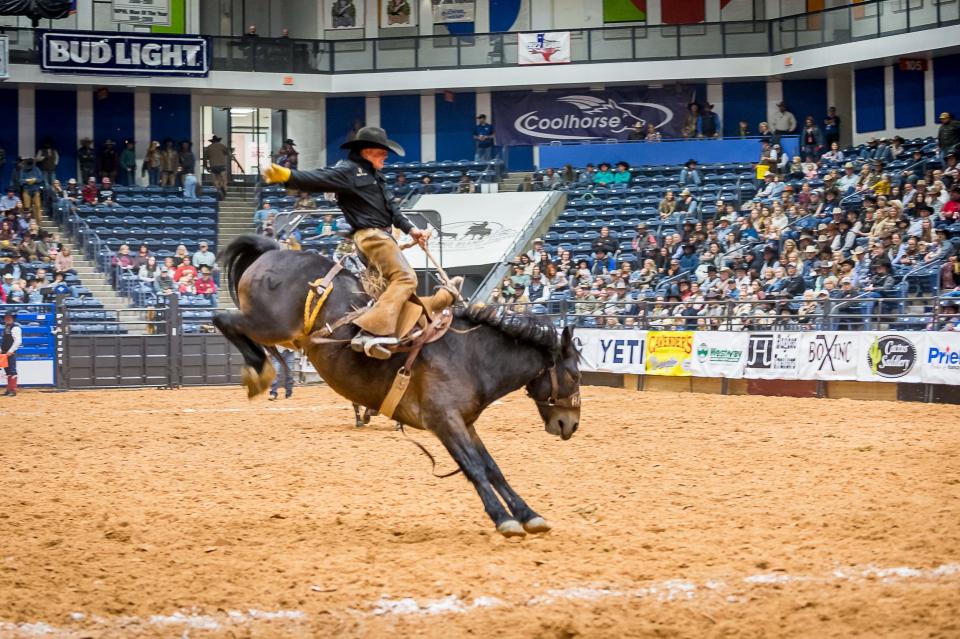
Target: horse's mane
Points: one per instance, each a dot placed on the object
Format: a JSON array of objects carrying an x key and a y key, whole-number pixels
[{"x": 530, "y": 329}]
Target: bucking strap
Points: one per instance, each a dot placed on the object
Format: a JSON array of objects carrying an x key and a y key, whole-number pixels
[{"x": 317, "y": 295}]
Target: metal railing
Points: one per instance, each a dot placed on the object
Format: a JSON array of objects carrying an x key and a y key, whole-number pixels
[
  {"x": 862, "y": 312},
  {"x": 839, "y": 25}
]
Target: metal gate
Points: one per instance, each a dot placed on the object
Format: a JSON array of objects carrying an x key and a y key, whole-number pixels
[{"x": 144, "y": 347}]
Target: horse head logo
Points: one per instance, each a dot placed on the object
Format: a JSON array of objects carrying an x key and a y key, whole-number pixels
[{"x": 593, "y": 105}]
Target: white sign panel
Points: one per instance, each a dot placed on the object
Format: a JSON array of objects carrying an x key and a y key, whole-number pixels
[
  {"x": 889, "y": 357},
  {"x": 4, "y": 56},
  {"x": 454, "y": 11},
  {"x": 719, "y": 354},
  {"x": 940, "y": 358},
  {"x": 543, "y": 48},
  {"x": 829, "y": 355},
  {"x": 147, "y": 12},
  {"x": 478, "y": 229},
  {"x": 772, "y": 356},
  {"x": 611, "y": 351}
]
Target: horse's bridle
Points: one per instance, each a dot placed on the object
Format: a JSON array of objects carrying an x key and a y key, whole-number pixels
[{"x": 571, "y": 401}]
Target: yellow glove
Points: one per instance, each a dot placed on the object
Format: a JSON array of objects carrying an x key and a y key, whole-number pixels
[{"x": 276, "y": 174}]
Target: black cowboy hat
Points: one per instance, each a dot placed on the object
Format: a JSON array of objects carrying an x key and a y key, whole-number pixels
[
  {"x": 215, "y": 138},
  {"x": 289, "y": 141},
  {"x": 373, "y": 137},
  {"x": 689, "y": 162}
]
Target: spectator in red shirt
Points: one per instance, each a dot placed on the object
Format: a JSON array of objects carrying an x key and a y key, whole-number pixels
[
  {"x": 185, "y": 267},
  {"x": 89, "y": 191},
  {"x": 206, "y": 286},
  {"x": 187, "y": 286},
  {"x": 950, "y": 212}
]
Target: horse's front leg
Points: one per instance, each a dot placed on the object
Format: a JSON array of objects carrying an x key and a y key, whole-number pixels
[
  {"x": 454, "y": 433},
  {"x": 532, "y": 522}
]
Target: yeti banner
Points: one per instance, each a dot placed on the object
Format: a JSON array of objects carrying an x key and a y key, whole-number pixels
[{"x": 524, "y": 117}]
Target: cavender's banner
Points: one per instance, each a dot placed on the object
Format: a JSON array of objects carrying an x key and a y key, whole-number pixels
[
  {"x": 526, "y": 117},
  {"x": 668, "y": 353},
  {"x": 124, "y": 54}
]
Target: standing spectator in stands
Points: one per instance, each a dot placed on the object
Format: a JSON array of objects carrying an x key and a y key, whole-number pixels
[
  {"x": 783, "y": 122},
  {"x": 483, "y": 140},
  {"x": 128, "y": 164},
  {"x": 108, "y": 161},
  {"x": 708, "y": 124},
  {"x": 151, "y": 164},
  {"x": 689, "y": 127},
  {"x": 291, "y": 158},
  {"x": 604, "y": 176},
  {"x": 186, "y": 164},
  {"x": 169, "y": 162},
  {"x": 89, "y": 193},
  {"x": 216, "y": 158},
  {"x": 948, "y": 135},
  {"x": 743, "y": 129},
  {"x": 190, "y": 186},
  {"x": 765, "y": 133},
  {"x": 831, "y": 127},
  {"x": 47, "y": 160},
  {"x": 811, "y": 139},
  {"x": 31, "y": 185},
  {"x": 10, "y": 340},
  {"x": 636, "y": 133},
  {"x": 689, "y": 174},
  {"x": 87, "y": 158}
]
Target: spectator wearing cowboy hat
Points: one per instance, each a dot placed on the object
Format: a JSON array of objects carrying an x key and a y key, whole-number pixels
[
  {"x": 708, "y": 123},
  {"x": 622, "y": 174},
  {"x": 689, "y": 173},
  {"x": 10, "y": 340},
  {"x": 367, "y": 204},
  {"x": 783, "y": 122},
  {"x": 948, "y": 135},
  {"x": 216, "y": 159}
]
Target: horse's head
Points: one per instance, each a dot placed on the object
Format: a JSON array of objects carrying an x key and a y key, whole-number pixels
[{"x": 556, "y": 390}]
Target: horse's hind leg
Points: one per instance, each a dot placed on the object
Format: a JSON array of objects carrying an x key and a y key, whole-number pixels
[
  {"x": 532, "y": 522},
  {"x": 453, "y": 433},
  {"x": 258, "y": 373}
]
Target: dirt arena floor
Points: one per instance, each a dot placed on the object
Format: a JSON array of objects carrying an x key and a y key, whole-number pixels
[{"x": 196, "y": 513}]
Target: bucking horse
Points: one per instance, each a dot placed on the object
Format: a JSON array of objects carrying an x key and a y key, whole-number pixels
[{"x": 485, "y": 355}]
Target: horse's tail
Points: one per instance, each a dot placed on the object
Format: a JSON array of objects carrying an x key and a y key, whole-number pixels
[{"x": 240, "y": 254}]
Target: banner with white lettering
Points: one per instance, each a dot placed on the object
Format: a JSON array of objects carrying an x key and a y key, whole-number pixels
[
  {"x": 719, "y": 354},
  {"x": 146, "y": 12},
  {"x": 107, "y": 53},
  {"x": 940, "y": 358},
  {"x": 829, "y": 355},
  {"x": 889, "y": 357},
  {"x": 611, "y": 351},
  {"x": 772, "y": 356},
  {"x": 543, "y": 48}
]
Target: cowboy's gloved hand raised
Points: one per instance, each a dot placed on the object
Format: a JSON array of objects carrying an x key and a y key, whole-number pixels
[
  {"x": 421, "y": 236},
  {"x": 276, "y": 174}
]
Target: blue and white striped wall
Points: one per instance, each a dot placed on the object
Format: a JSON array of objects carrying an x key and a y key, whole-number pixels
[
  {"x": 889, "y": 101},
  {"x": 67, "y": 115}
]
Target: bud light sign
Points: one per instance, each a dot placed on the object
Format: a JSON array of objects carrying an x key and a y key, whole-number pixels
[
  {"x": 124, "y": 54},
  {"x": 581, "y": 116}
]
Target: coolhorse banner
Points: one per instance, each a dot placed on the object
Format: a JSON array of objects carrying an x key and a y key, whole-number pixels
[
  {"x": 526, "y": 117},
  {"x": 611, "y": 351},
  {"x": 829, "y": 355},
  {"x": 124, "y": 54},
  {"x": 719, "y": 354}
]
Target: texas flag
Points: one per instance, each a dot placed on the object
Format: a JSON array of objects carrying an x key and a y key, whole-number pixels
[{"x": 543, "y": 48}]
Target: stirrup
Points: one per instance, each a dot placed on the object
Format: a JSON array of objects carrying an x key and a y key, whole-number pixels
[{"x": 373, "y": 345}]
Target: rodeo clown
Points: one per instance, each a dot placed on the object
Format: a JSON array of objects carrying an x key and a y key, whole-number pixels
[
  {"x": 10, "y": 341},
  {"x": 367, "y": 203}
]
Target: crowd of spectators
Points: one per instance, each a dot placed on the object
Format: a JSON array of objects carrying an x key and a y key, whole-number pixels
[
  {"x": 831, "y": 229},
  {"x": 188, "y": 276},
  {"x": 34, "y": 264}
]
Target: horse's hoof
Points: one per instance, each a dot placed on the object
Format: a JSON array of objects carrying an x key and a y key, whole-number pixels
[
  {"x": 511, "y": 528},
  {"x": 251, "y": 381},
  {"x": 537, "y": 525}
]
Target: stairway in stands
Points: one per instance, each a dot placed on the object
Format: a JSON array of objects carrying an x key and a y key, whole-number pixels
[
  {"x": 512, "y": 181},
  {"x": 87, "y": 272},
  {"x": 235, "y": 218}
]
